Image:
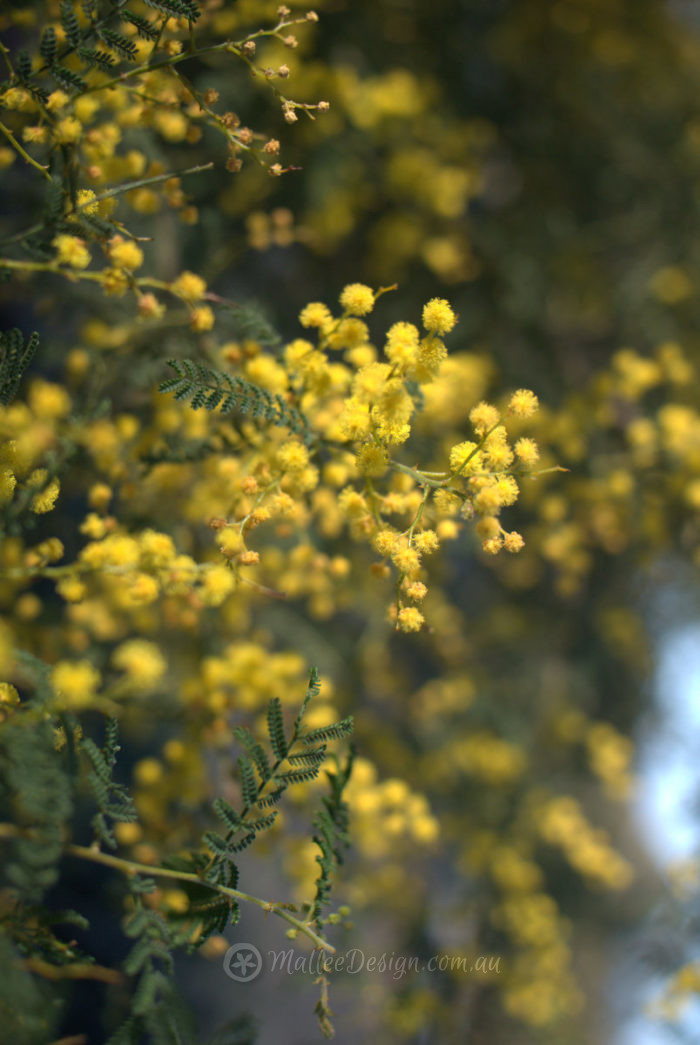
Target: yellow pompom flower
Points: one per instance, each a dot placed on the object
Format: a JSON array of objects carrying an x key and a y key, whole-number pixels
[
  {"x": 465, "y": 457},
  {"x": 357, "y": 299},
  {"x": 402, "y": 344},
  {"x": 114, "y": 281},
  {"x": 385, "y": 541},
  {"x": 142, "y": 662},
  {"x": 230, "y": 542},
  {"x": 438, "y": 317},
  {"x": 68, "y": 131},
  {"x": 189, "y": 286},
  {"x": 372, "y": 460},
  {"x": 217, "y": 583},
  {"x": 407, "y": 560},
  {"x": 201, "y": 319},
  {"x": 410, "y": 619},
  {"x": 45, "y": 500},
  {"x": 142, "y": 589},
  {"x": 484, "y": 416},
  {"x": 426, "y": 542},
  {"x": 70, "y": 250},
  {"x": 148, "y": 771},
  {"x": 8, "y": 483},
  {"x": 315, "y": 314},
  {"x": 71, "y": 589},
  {"x": 513, "y": 542},
  {"x": 527, "y": 451},
  {"x": 75, "y": 682},
  {"x": 125, "y": 254},
  {"x": 86, "y": 201},
  {"x": 523, "y": 403},
  {"x": 292, "y": 456}
]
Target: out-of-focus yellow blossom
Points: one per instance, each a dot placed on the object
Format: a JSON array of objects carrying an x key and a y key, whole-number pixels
[{"x": 75, "y": 683}]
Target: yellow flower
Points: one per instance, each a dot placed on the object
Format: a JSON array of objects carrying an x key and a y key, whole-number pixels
[
  {"x": 438, "y": 317},
  {"x": 513, "y": 542},
  {"x": 142, "y": 589},
  {"x": 86, "y": 201},
  {"x": 70, "y": 250},
  {"x": 45, "y": 500},
  {"x": 142, "y": 662},
  {"x": 189, "y": 286},
  {"x": 114, "y": 281},
  {"x": 484, "y": 416},
  {"x": 218, "y": 582},
  {"x": 465, "y": 457},
  {"x": 230, "y": 542},
  {"x": 75, "y": 682},
  {"x": 48, "y": 400},
  {"x": 68, "y": 131},
  {"x": 315, "y": 314},
  {"x": 124, "y": 254},
  {"x": 372, "y": 460},
  {"x": 402, "y": 344},
  {"x": 292, "y": 456},
  {"x": 357, "y": 299},
  {"x": 523, "y": 403},
  {"x": 527, "y": 451},
  {"x": 201, "y": 319},
  {"x": 8, "y": 483},
  {"x": 410, "y": 619}
]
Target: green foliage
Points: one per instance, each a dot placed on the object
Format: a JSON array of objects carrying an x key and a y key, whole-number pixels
[
  {"x": 331, "y": 823},
  {"x": 213, "y": 389},
  {"x": 15, "y": 357},
  {"x": 143, "y": 27},
  {"x": 70, "y": 23},
  {"x": 176, "y": 8},
  {"x": 36, "y": 793},
  {"x": 28, "y": 1017},
  {"x": 249, "y": 323},
  {"x": 41, "y": 764},
  {"x": 262, "y": 782},
  {"x": 113, "y": 800},
  {"x": 155, "y": 1007}
]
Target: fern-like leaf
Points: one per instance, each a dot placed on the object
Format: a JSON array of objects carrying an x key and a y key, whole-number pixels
[
  {"x": 96, "y": 58},
  {"x": 121, "y": 44},
  {"x": 249, "y": 784},
  {"x": 336, "y": 731},
  {"x": 275, "y": 728},
  {"x": 176, "y": 8},
  {"x": 15, "y": 357},
  {"x": 48, "y": 47},
  {"x": 69, "y": 21},
  {"x": 68, "y": 79},
  {"x": 214, "y": 389},
  {"x": 145, "y": 29}
]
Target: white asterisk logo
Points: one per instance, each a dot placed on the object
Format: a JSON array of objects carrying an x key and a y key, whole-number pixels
[{"x": 243, "y": 962}]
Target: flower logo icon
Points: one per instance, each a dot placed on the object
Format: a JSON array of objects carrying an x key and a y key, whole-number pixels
[{"x": 243, "y": 962}]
